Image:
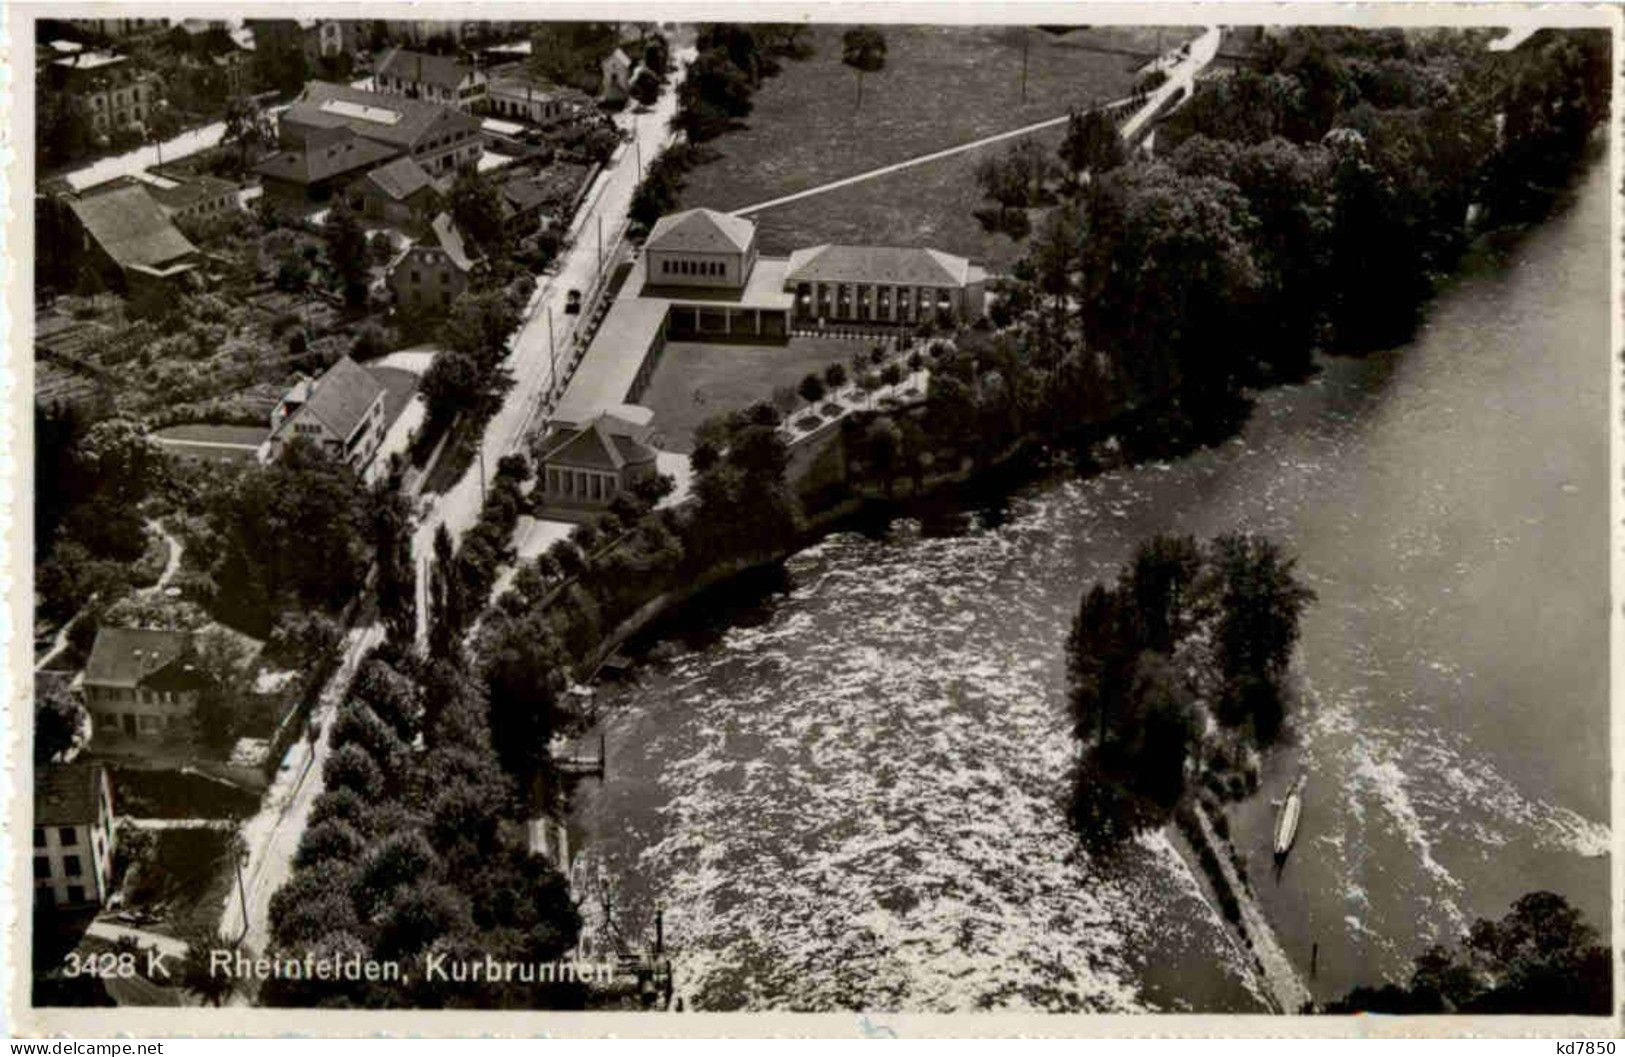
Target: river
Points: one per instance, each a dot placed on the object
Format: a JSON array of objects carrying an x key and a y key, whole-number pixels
[{"x": 846, "y": 791}]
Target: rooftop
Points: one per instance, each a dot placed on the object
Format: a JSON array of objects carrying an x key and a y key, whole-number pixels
[
  {"x": 128, "y": 223},
  {"x": 442, "y": 71},
  {"x": 67, "y": 794},
  {"x": 317, "y": 163},
  {"x": 878, "y": 264},
  {"x": 701, "y": 231},
  {"x": 125, "y": 657},
  {"x": 606, "y": 442},
  {"x": 341, "y": 398},
  {"x": 604, "y": 378},
  {"x": 400, "y": 179},
  {"x": 391, "y": 119}
]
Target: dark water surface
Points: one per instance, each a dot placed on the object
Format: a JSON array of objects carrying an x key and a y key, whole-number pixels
[{"x": 849, "y": 793}]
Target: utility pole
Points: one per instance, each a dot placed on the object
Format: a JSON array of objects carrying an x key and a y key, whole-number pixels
[
  {"x": 482, "y": 472},
  {"x": 552, "y": 354},
  {"x": 600, "y": 243}
]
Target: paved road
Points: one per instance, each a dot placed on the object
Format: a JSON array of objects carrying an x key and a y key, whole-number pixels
[
  {"x": 183, "y": 145},
  {"x": 272, "y": 835},
  {"x": 166, "y": 945},
  {"x": 529, "y": 357},
  {"x": 1182, "y": 73}
]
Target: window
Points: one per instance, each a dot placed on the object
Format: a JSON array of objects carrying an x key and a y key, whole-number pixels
[
  {"x": 72, "y": 867},
  {"x": 42, "y": 868},
  {"x": 67, "y": 836},
  {"x": 149, "y": 724},
  {"x": 76, "y": 893},
  {"x": 414, "y": 275}
]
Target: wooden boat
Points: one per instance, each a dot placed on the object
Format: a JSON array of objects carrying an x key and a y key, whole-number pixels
[{"x": 1286, "y": 823}]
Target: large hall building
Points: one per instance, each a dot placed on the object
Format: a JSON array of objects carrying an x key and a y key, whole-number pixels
[{"x": 701, "y": 277}]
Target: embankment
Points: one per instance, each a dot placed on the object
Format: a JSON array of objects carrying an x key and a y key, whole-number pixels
[{"x": 1208, "y": 856}]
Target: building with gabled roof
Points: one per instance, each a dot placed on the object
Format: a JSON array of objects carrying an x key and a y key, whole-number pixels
[
  {"x": 883, "y": 284},
  {"x": 701, "y": 247},
  {"x": 141, "y": 682},
  {"x": 616, "y": 71},
  {"x": 323, "y": 165},
  {"x": 129, "y": 236},
  {"x": 433, "y": 273},
  {"x": 439, "y": 138},
  {"x": 399, "y": 193},
  {"x": 587, "y": 466},
  {"x": 442, "y": 79},
  {"x": 74, "y": 836},
  {"x": 341, "y": 413}
]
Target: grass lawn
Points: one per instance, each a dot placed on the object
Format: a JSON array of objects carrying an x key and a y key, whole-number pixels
[
  {"x": 929, "y": 205},
  {"x": 696, "y": 381},
  {"x": 941, "y": 86}
]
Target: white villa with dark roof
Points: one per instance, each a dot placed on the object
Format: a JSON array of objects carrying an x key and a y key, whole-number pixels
[
  {"x": 342, "y": 413},
  {"x": 437, "y": 78},
  {"x": 74, "y": 835},
  {"x": 586, "y": 467}
]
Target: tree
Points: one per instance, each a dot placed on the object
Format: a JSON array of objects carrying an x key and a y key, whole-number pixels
[
  {"x": 835, "y": 375},
  {"x": 864, "y": 49},
  {"x": 645, "y": 87},
  {"x": 476, "y": 209},
  {"x": 248, "y": 130},
  {"x": 1260, "y": 603},
  {"x": 347, "y": 251},
  {"x": 222, "y": 663},
  {"x": 1542, "y": 958},
  {"x": 811, "y": 388},
  {"x": 713, "y": 95},
  {"x": 526, "y": 669},
  {"x": 197, "y": 975},
  {"x": 1092, "y": 144},
  {"x": 57, "y": 721},
  {"x": 63, "y": 133}
]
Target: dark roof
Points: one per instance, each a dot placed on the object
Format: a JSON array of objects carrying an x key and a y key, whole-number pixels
[
  {"x": 606, "y": 443},
  {"x": 524, "y": 194},
  {"x": 127, "y": 657},
  {"x": 130, "y": 226},
  {"x": 442, "y": 71},
  {"x": 392, "y": 119},
  {"x": 701, "y": 231},
  {"x": 343, "y": 396},
  {"x": 316, "y": 164},
  {"x": 190, "y": 190},
  {"x": 877, "y": 264},
  {"x": 400, "y": 179},
  {"x": 67, "y": 794}
]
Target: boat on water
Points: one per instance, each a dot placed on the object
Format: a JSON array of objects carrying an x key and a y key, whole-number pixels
[{"x": 1286, "y": 823}]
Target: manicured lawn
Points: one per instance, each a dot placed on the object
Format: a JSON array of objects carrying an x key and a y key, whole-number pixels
[
  {"x": 928, "y": 205},
  {"x": 696, "y": 381},
  {"x": 941, "y": 86}
]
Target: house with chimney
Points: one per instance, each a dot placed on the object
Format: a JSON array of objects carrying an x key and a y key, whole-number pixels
[
  {"x": 616, "y": 71},
  {"x": 74, "y": 835},
  {"x": 442, "y": 79},
  {"x": 517, "y": 96},
  {"x": 141, "y": 682}
]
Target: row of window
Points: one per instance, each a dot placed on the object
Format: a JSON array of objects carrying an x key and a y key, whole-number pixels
[
  {"x": 136, "y": 722},
  {"x": 682, "y": 267},
  {"x": 71, "y": 867},
  {"x": 579, "y": 484},
  {"x": 219, "y": 205},
  {"x": 66, "y": 836},
  {"x": 138, "y": 696}
]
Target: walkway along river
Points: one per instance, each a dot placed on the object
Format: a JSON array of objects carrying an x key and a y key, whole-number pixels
[{"x": 847, "y": 792}]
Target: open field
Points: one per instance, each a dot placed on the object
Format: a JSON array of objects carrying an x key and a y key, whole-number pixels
[
  {"x": 696, "y": 381},
  {"x": 941, "y": 86}
]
